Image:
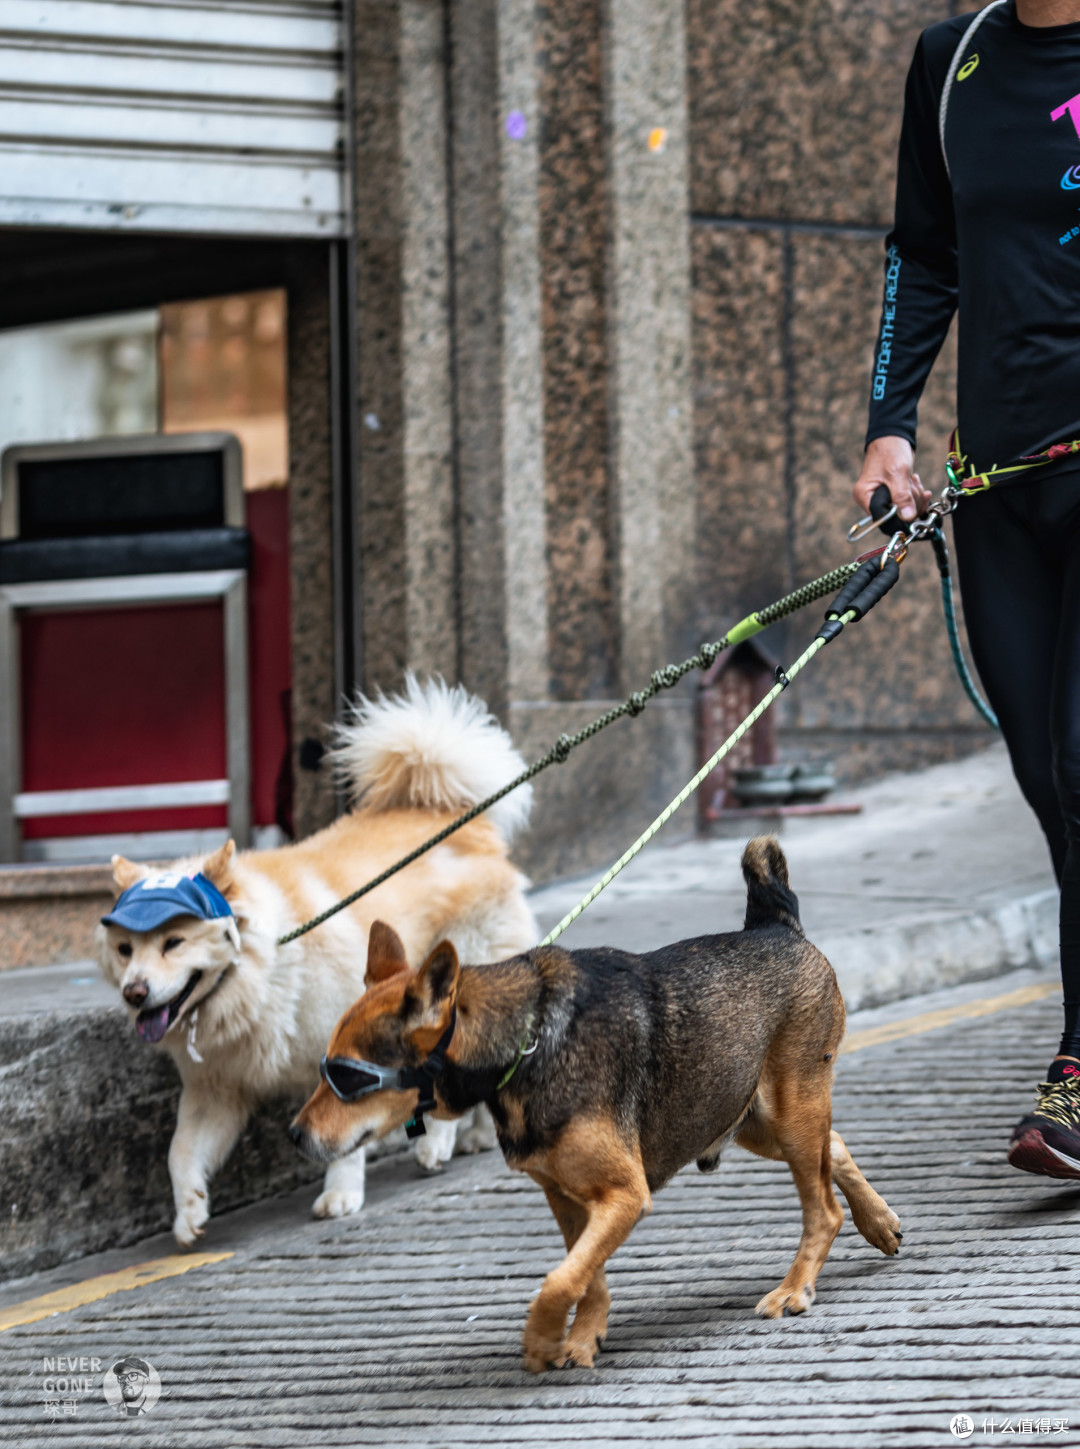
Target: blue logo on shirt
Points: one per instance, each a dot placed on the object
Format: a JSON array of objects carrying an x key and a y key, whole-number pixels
[{"x": 1071, "y": 180}]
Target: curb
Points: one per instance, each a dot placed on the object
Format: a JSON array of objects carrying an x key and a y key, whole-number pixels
[{"x": 875, "y": 966}]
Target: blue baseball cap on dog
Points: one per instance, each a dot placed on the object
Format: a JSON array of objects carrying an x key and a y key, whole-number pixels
[{"x": 159, "y": 898}]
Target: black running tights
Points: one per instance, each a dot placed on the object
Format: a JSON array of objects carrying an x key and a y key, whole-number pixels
[{"x": 1018, "y": 555}]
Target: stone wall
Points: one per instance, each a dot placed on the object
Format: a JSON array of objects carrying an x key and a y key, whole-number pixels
[
  {"x": 618, "y": 271},
  {"x": 522, "y": 276},
  {"x": 794, "y": 124}
]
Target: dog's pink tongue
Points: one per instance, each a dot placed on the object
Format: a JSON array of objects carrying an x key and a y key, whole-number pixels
[{"x": 152, "y": 1025}]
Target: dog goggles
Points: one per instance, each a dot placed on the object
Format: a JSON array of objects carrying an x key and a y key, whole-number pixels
[{"x": 350, "y": 1078}]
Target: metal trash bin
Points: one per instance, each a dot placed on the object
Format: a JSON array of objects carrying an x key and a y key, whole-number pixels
[{"x": 120, "y": 522}]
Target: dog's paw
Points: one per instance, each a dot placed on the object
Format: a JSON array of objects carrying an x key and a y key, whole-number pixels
[
  {"x": 436, "y": 1146},
  {"x": 581, "y": 1349},
  {"x": 881, "y": 1228},
  {"x": 191, "y": 1219},
  {"x": 427, "y": 1156},
  {"x": 541, "y": 1353},
  {"x": 784, "y": 1302},
  {"x": 336, "y": 1202},
  {"x": 478, "y": 1138}
]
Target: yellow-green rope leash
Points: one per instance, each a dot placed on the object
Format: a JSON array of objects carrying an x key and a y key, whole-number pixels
[
  {"x": 665, "y": 678},
  {"x": 688, "y": 789}
]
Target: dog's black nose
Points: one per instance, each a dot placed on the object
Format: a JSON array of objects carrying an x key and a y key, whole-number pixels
[
  {"x": 296, "y": 1134},
  {"x": 136, "y": 992}
]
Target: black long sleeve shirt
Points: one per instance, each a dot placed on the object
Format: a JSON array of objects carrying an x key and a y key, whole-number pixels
[{"x": 1000, "y": 242}]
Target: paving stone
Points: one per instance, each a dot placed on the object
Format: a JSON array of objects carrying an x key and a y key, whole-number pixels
[{"x": 402, "y": 1326}]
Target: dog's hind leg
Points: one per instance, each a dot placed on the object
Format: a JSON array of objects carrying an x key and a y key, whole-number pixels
[
  {"x": 589, "y": 1328},
  {"x": 343, "y": 1187},
  {"x": 207, "y": 1126},
  {"x": 790, "y": 1119},
  {"x": 872, "y": 1215}
]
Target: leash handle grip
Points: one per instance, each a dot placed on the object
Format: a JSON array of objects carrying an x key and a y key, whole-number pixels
[
  {"x": 881, "y": 507},
  {"x": 876, "y": 589},
  {"x": 859, "y": 580}
]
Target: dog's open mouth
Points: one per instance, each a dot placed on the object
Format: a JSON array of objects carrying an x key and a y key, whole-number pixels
[{"x": 152, "y": 1025}]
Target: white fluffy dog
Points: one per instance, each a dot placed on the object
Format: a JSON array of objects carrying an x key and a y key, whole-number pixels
[{"x": 193, "y": 948}]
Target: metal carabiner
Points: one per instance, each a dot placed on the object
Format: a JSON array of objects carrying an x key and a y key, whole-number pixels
[{"x": 859, "y": 531}]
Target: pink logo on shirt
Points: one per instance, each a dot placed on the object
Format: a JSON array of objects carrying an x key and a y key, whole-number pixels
[{"x": 1073, "y": 108}]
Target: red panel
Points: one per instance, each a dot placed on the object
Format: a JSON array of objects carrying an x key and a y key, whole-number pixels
[
  {"x": 137, "y": 696},
  {"x": 123, "y": 697}
]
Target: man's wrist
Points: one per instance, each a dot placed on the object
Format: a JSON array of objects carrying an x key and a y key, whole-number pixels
[{"x": 875, "y": 435}]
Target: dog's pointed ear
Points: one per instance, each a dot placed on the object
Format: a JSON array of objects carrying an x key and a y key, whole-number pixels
[
  {"x": 126, "y": 873},
  {"x": 438, "y": 978},
  {"x": 217, "y": 868},
  {"x": 385, "y": 954}
]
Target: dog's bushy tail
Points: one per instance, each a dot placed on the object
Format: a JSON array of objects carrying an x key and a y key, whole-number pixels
[
  {"x": 430, "y": 747},
  {"x": 770, "y": 901}
]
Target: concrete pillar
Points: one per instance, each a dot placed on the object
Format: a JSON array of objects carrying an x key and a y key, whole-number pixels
[
  {"x": 431, "y": 608},
  {"x": 649, "y": 332},
  {"x": 497, "y": 384},
  {"x": 524, "y": 518},
  {"x": 406, "y": 508}
]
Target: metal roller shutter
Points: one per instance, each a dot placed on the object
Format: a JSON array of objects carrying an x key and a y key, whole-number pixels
[{"x": 178, "y": 116}]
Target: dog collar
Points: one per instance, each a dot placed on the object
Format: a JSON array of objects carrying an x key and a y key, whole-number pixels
[
  {"x": 367, "y": 1077},
  {"x": 526, "y": 1050}
]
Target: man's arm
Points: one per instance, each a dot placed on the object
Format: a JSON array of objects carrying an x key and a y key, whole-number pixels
[{"x": 920, "y": 295}]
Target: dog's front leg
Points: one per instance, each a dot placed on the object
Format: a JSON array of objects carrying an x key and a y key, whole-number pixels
[
  {"x": 589, "y": 1328},
  {"x": 343, "y": 1187},
  {"x": 610, "y": 1215},
  {"x": 437, "y": 1144},
  {"x": 475, "y": 1132},
  {"x": 208, "y": 1122}
]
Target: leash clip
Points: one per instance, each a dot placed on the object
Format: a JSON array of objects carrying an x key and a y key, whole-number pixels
[{"x": 866, "y": 525}]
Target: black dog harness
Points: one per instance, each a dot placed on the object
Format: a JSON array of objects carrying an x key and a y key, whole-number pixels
[{"x": 350, "y": 1078}]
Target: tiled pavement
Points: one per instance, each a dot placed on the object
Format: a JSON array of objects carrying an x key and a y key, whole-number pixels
[{"x": 402, "y": 1326}]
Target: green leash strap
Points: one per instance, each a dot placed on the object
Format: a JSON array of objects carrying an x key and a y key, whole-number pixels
[
  {"x": 665, "y": 678},
  {"x": 941, "y": 555}
]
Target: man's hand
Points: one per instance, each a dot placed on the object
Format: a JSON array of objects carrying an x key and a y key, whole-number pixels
[{"x": 891, "y": 461}]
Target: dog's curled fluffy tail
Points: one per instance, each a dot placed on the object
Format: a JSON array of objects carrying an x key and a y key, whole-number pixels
[
  {"x": 431, "y": 747},
  {"x": 770, "y": 901}
]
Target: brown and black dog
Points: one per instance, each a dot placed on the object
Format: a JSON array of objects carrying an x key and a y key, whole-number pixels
[{"x": 641, "y": 1065}]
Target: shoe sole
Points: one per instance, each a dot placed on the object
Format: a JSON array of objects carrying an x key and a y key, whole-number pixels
[{"x": 1031, "y": 1154}]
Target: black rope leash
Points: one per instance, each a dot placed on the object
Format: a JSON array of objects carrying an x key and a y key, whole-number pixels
[{"x": 633, "y": 705}]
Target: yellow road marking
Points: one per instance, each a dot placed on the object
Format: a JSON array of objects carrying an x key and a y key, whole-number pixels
[
  {"x": 931, "y": 1020},
  {"x": 94, "y": 1289}
]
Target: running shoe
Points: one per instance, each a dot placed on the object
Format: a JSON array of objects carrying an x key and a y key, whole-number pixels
[{"x": 1047, "y": 1140}]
